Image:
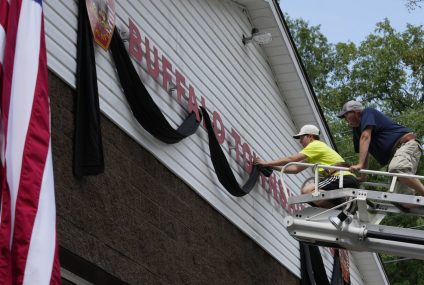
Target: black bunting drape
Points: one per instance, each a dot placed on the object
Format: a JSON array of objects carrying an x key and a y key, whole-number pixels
[
  {"x": 88, "y": 147},
  {"x": 222, "y": 167},
  {"x": 312, "y": 266},
  {"x": 141, "y": 103},
  {"x": 337, "y": 277}
]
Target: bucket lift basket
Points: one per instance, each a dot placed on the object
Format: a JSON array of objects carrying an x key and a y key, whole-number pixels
[{"x": 355, "y": 224}]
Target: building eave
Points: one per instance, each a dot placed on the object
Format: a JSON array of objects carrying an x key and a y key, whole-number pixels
[{"x": 297, "y": 92}]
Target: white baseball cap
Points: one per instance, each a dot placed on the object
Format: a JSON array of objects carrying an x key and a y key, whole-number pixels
[
  {"x": 350, "y": 106},
  {"x": 307, "y": 130}
]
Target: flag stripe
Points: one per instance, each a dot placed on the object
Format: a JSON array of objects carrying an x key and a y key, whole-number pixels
[
  {"x": 43, "y": 239},
  {"x": 36, "y": 210},
  {"x": 4, "y": 9},
  {"x": 5, "y": 227},
  {"x": 22, "y": 94},
  {"x": 2, "y": 44},
  {"x": 9, "y": 55},
  {"x": 28, "y": 159},
  {"x": 35, "y": 149}
]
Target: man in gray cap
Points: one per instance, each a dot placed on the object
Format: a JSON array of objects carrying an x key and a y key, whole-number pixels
[
  {"x": 388, "y": 142},
  {"x": 314, "y": 151}
]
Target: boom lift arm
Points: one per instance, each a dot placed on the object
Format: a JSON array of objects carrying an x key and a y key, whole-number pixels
[{"x": 355, "y": 224}]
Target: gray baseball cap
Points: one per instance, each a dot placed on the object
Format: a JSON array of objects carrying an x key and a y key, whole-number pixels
[{"x": 350, "y": 106}]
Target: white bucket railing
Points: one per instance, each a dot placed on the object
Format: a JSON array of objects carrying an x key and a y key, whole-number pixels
[{"x": 317, "y": 167}]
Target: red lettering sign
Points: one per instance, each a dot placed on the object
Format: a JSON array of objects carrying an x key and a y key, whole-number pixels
[
  {"x": 272, "y": 182},
  {"x": 247, "y": 158},
  {"x": 283, "y": 198},
  {"x": 219, "y": 132},
  {"x": 237, "y": 140},
  {"x": 135, "y": 42},
  {"x": 242, "y": 149},
  {"x": 180, "y": 82},
  {"x": 192, "y": 103},
  {"x": 166, "y": 76},
  {"x": 153, "y": 71},
  {"x": 203, "y": 102}
]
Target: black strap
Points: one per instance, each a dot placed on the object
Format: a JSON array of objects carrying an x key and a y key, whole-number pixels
[
  {"x": 337, "y": 277},
  {"x": 88, "y": 147},
  {"x": 141, "y": 103},
  {"x": 222, "y": 167},
  {"x": 311, "y": 266},
  {"x": 306, "y": 269}
]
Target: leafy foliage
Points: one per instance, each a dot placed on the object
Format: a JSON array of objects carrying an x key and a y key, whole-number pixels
[
  {"x": 385, "y": 71},
  {"x": 317, "y": 53},
  {"x": 413, "y": 4}
]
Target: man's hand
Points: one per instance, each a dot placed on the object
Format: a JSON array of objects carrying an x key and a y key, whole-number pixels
[
  {"x": 356, "y": 167},
  {"x": 259, "y": 161}
]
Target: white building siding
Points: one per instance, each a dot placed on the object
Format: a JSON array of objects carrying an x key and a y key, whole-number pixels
[{"x": 202, "y": 40}]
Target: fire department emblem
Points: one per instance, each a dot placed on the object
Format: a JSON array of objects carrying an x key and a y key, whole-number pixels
[{"x": 101, "y": 14}]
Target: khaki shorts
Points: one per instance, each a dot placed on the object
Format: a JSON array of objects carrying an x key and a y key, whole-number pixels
[{"x": 406, "y": 160}]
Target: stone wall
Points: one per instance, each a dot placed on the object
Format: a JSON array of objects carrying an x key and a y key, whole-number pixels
[{"x": 141, "y": 223}]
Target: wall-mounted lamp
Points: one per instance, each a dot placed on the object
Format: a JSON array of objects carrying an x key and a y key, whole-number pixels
[
  {"x": 124, "y": 33},
  {"x": 258, "y": 37}
]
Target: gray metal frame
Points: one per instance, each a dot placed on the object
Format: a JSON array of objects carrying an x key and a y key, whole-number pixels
[{"x": 364, "y": 209}]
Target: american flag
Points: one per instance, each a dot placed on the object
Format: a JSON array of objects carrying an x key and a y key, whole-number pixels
[{"x": 28, "y": 244}]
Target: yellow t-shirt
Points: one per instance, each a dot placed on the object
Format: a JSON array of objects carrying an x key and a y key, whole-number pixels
[{"x": 321, "y": 153}]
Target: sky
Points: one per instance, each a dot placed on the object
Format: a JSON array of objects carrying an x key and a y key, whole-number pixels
[{"x": 352, "y": 20}]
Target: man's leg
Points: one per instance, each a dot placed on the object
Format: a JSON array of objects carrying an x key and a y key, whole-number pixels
[
  {"x": 309, "y": 188},
  {"x": 413, "y": 183},
  {"x": 406, "y": 160}
]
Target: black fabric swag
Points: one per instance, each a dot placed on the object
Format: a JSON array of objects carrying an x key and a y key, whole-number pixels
[
  {"x": 88, "y": 147},
  {"x": 337, "y": 277},
  {"x": 222, "y": 167},
  {"x": 311, "y": 266},
  {"x": 141, "y": 103}
]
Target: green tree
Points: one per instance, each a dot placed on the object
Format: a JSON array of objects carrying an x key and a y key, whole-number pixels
[
  {"x": 317, "y": 54},
  {"x": 413, "y": 4},
  {"x": 385, "y": 71},
  {"x": 395, "y": 84}
]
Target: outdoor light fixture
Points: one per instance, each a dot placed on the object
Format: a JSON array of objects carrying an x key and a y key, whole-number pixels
[
  {"x": 124, "y": 33},
  {"x": 258, "y": 37},
  {"x": 338, "y": 220}
]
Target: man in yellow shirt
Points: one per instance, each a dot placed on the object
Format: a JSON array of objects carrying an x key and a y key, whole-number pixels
[{"x": 314, "y": 151}]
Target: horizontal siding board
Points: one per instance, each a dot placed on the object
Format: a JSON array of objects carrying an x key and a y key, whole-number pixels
[
  {"x": 63, "y": 18},
  {"x": 226, "y": 104},
  {"x": 284, "y": 69},
  {"x": 286, "y": 78},
  {"x": 369, "y": 266},
  {"x": 279, "y": 60},
  {"x": 298, "y": 102},
  {"x": 56, "y": 64},
  {"x": 276, "y": 51},
  {"x": 166, "y": 111},
  {"x": 202, "y": 40},
  {"x": 61, "y": 40},
  {"x": 292, "y": 85},
  {"x": 254, "y": 5}
]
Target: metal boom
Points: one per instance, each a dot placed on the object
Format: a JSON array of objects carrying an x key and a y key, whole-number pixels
[{"x": 355, "y": 224}]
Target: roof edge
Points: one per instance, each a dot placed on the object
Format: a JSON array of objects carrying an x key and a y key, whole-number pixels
[{"x": 303, "y": 69}]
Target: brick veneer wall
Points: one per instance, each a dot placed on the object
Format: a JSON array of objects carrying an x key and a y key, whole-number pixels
[{"x": 140, "y": 222}]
